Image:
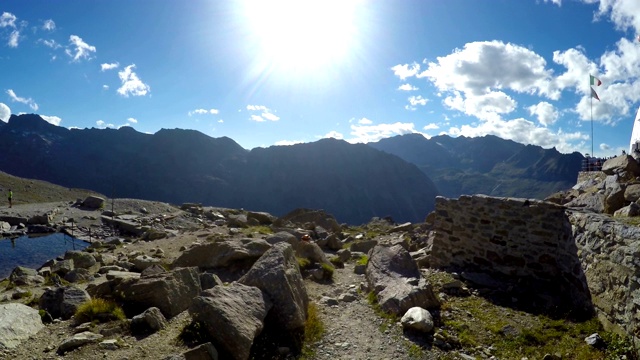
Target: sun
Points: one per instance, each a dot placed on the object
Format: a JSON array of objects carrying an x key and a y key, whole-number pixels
[{"x": 302, "y": 34}]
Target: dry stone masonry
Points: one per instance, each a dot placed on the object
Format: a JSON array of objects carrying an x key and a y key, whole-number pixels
[{"x": 519, "y": 242}]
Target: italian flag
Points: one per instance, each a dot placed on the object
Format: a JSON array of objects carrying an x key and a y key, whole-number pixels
[{"x": 594, "y": 80}]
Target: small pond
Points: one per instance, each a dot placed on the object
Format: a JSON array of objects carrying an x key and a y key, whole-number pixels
[{"x": 32, "y": 252}]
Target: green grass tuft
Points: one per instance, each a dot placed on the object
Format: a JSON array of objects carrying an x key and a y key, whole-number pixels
[
  {"x": 313, "y": 332},
  {"x": 100, "y": 310}
]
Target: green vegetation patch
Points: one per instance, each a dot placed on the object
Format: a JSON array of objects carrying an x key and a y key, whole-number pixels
[
  {"x": 99, "y": 310},
  {"x": 313, "y": 332},
  {"x": 263, "y": 230}
]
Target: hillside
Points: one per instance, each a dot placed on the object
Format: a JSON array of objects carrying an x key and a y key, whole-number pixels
[
  {"x": 29, "y": 191},
  {"x": 486, "y": 165},
  {"x": 179, "y": 166}
]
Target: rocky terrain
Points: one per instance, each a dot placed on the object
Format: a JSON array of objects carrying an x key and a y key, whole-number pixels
[{"x": 200, "y": 282}]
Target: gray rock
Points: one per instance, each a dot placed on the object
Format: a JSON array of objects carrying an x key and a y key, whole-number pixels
[
  {"x": 93, "y": 202},
  {"x": 238, "y": 309},
  {"x": 17, "y": 323},
  {"x": 632, "y": 192},
  {"x": 311, "y": 251},
  {"x": 417, "y": 318},
  {"x": 202, "y": 352},
  {"x": 153, "y": 270},
  {"x": 396, "y": 280},
  {"x": 62, "y": 268},
  {"x": 171, "y": 292},
  {"x": 222, "y": 253},
  {"x": 77, "y": 341},
  {"x": 334, "y": 242},
  {"x": 23, "y": 276},
  {"x": 282, "y": 236},
  {"x": 78, "y": 275},
  {"x": 630, "y": 210},
  {"x": 209, "y": 280},
  {"x": 277, "y": 274},
  {"x": 63, "y": 302},
  {"x": 593, "y": 201},
  {"x": 363, "y": 246},
  {"x": 262, "y": 218},
  {"x": 142, "y": 262},
  {"x": 344, "y": 255},
  {"x": 594, "y": 340},
  {"x": 150, "y": 321},
  {"x": 621, "y": 164}
]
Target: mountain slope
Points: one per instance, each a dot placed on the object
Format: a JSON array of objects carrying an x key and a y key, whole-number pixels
[
  {"x": 486, "y": 165},
  {"x": 353, "y": 182}
]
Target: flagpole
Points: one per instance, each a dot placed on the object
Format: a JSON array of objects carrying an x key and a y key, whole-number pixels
[{"x": 591, "y": 97}]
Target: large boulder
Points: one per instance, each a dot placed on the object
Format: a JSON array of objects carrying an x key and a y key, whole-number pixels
[
  {"x": 591, "y": 200},
  {"x": 277, "y": 274},
  {"x": 63, "y": 302},
  {"x": 150, "y": 321},
  {"x": 80, "y": 259},
  {"x": 171, "y": 292},
  {"x": 17, "y": 323},
  {"x": 624, "y": 165},
  {"x": 396, "y": 281},
  {"x": 93, "y": 202},
  {"x": 311, "y": 251},
  {"x": 222, "y": 253},
  {"x": 632, "y": 192},
  {"x": 23, "y": 276},
  {"x": 238, "y": 310}
]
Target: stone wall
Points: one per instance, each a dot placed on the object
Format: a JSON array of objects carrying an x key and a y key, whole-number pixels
[{"x": 527, "y": 243}]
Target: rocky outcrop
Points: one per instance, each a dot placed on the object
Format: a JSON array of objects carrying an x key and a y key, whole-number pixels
[
  {"x": 238, "y": 310},
  {"x": 277, "y": 274},
  {"x": 396, "y": 281}
]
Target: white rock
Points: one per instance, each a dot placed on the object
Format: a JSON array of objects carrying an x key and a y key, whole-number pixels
[
  {"x": 17, "y": 323},
  {"x": 417, "y": 318}
]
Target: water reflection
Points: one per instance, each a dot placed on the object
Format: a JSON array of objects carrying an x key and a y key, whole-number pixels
[{"x": 32, "y": 252}]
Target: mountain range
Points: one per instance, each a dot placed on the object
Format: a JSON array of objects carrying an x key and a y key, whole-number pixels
[{"x": 354, "y": 182}]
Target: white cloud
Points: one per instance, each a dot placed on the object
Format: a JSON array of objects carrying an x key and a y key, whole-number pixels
[
  {"x": 557, "y": 2},
  {"x": 132, "y": 120},
  {"x": 220, "y": 121},
  {"x": 545, "y": 112},
  {"x": 431, "y": 126},
  {"x": 5, "y": 112},
  {"x": 50, "y": 43},
  {"x": 625, "y": 14},
  {"x": 131, "y": 84},
  {"x": 105, "y": 87},
  {"x": 13, "y": 39},
  {"x": 483, "y": 66},
  {"x": 369, "y": 133},
  {"x": 485, "y": 107},
  {"x": 406, "y": 70},
  {"x": 265, "y": 113},
  {"x": 365, "y": 121},
  {"x": 415, "y": 101},
  {"x": 103, "y": 125},
  {"x": 407, "y": 87},
  {"x": 107, "y": 66},
  {"x": 78, "y": 49},
  {"x": 288, "y": 142},
  {"x": 27, "y": 101},
  {"x": 49, "y": 25},
  {"x": 8, "y": 19},
  {"x": 52, "y": 119},
  {"x": 525, "y": 132},
  {"x": 605, "y": 147},
  {"x": 334, "y": 135},
  {"x": 203, "y": 112}
]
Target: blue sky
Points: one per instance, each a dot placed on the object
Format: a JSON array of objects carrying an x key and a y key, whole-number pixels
[{"x": 281, "y": 72}]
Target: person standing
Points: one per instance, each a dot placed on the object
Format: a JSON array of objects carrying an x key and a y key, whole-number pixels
[{"x": 10, "y": 198}]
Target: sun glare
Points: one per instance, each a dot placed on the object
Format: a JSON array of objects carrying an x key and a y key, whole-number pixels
[{"x": 302, "y": 34}]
